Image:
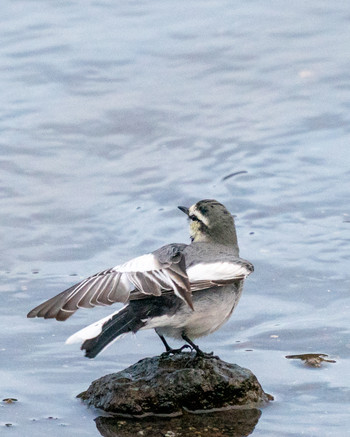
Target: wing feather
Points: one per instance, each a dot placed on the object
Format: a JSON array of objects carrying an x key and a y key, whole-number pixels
[
  {"x": 148, "y": 274},
  {"x": 163, "y": 271},
  {"x": 219, "y": 271}
]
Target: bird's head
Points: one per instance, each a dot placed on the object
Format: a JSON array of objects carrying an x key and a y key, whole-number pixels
[{"x": 211, "y": 222}]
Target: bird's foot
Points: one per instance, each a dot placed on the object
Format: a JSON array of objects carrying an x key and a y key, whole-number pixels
[
  {"x": 199, "y": 353},
  {"x": 172, "y": 351},
  {"x": 207, "y": 355}
]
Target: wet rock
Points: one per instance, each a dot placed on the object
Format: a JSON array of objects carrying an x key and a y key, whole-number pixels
[
  {"x": 170, "y": 385},
  {"x": 312, "y": 360},
  {"x": 10, "y": 400}
]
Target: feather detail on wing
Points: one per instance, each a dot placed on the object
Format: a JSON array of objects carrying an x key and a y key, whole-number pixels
[
  {"x": 148, "y": 274},
  {"x": 220, "y": 273}
]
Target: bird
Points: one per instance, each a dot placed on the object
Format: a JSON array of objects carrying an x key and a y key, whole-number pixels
[{"x": 182, "y": 291}]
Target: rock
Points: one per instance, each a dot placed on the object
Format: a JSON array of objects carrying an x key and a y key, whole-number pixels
[{"x": 170, "y": 385}]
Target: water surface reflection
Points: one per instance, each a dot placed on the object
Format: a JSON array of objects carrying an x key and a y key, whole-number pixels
[
  {"x": 231, "y": 423},
  {"x": 114, "y": 113}
]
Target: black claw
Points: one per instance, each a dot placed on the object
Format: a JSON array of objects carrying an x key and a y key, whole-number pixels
[
  {"x": 200, "y": 353},
  {"x": 209, "y": 355},
  {"x": 175, "y": 351}
]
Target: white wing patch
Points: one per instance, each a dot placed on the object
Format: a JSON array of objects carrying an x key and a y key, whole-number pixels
[
  {"x": 217, "y": 271},
  {"x": 144, "y": 263}
]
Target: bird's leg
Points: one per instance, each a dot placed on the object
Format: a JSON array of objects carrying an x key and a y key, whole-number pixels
[
  {"x": 170, "y": 350},
  {"x": 167, "y": 347},
  {"x": 199, "y": 352}
]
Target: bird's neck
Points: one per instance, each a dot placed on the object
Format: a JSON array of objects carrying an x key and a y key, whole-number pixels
[{"x": 228, "y": 239}]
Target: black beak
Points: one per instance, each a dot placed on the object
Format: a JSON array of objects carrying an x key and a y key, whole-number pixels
[{"x": 184, "y": 209}]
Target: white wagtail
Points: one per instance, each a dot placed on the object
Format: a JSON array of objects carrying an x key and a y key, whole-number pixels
[{"x": 182, "y": 291}]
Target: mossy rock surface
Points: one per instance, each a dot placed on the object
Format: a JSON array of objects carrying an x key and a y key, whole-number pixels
[{"x": 170, "y": 385}]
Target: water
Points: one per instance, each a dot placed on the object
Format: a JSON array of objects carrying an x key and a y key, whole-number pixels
[{"x": 114, "y": 114}]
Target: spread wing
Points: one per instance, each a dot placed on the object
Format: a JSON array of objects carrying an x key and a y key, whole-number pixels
[{"x": 149, "y": 274}]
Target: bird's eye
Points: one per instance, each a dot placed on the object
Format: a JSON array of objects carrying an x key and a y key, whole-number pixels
[{"x": 194, "y": 218}]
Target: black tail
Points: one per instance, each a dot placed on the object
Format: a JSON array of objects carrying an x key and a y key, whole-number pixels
[
  {"x": 127, "y": 320},
  {"x": 130, "y": 319}
]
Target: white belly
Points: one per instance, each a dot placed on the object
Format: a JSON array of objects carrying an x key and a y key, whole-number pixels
[{"x": 212, "y": 308}]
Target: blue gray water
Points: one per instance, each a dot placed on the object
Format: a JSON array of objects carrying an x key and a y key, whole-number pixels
[{"x": 114, "y": 113}]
